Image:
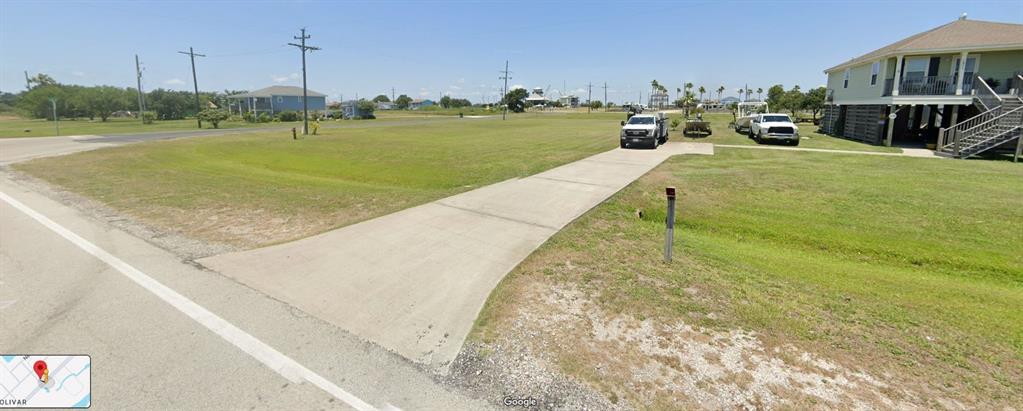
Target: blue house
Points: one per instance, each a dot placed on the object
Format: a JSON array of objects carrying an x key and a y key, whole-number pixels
[{"x": 275, "y": 99}]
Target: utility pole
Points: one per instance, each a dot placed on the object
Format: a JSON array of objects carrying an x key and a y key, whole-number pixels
[
  {"x": 53, "y": 102},
  {"x": 392, "y": 94},
  {"x": 28, "y": 83},
  {"x": 305, "y": 97},
  {"x": 505, "y": 77},
  {"x": 138, "y": 80},
  {"x": 589, "y": 97},
  {"x": 195, "y": 83},
  {"x": 605, "y": 96}
]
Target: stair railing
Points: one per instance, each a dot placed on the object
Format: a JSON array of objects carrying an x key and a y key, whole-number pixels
[
  {"x": 987, "y": 96},
  {"x": 1014, "y": 114}
]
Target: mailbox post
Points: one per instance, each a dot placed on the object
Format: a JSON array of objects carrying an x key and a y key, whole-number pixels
[{"x": 669, "y": 224}]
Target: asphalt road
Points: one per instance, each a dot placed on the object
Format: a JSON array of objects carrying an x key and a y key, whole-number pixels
[{"x": 165, "y": 334}]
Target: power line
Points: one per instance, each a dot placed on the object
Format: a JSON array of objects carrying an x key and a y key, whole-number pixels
[
  {"x": 505, "y": 77},
  {"x": 305, "y": 97},
  {"x": 195, "y": 83}
]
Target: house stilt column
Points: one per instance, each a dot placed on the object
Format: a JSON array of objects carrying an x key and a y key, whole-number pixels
[{"x": 892, "y": 110}]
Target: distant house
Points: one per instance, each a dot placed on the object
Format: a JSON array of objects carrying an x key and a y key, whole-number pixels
[
  {"x": 658, "y": 99},
  {"x": 569, "y": 101},
  {"x": 350, "y": 109},
  {"x": 729, "y": 100},
  {"x": 275, "y": 99},
  {"x": 944, "y": 86},
  {"x": 418, "y": 104},
  {"x": 385, "y": 105},
  {"x": 536, "y": 98}
]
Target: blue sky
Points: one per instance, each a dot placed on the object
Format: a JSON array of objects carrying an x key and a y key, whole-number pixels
[{"x": 426, "y": 49}]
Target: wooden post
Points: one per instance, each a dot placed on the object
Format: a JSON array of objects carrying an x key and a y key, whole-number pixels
[
  {"x": 941, "y": 139},
  {"x": 955, "y": 142},
  {"x": 1019, "y": 148}
]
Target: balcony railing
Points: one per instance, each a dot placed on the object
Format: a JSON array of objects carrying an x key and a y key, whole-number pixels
[{"x": 928, "y": 86}]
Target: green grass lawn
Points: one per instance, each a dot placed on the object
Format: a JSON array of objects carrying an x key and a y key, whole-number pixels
[
  {"x": 263, "y": 187},
  {"x": 15, "y": 127},
  {"x": 908, "y": 269}
]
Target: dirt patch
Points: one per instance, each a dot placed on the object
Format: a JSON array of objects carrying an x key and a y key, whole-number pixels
[{"x": 647, "y": 364}]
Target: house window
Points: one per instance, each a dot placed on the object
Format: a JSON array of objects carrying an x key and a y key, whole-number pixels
[
  {"x": 875, "y": 69},
  {"x": 845, "y": 79}
]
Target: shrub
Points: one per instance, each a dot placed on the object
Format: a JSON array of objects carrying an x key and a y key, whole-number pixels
[
  {"x": 288, "y": 115},
  {"x": 214, "y": 116},
  {"x": 247, "y": 116},
  {"x": 675, "y": 122},
  {"x": 148, "y": 117},
  {"x": 264, "y": 118}
]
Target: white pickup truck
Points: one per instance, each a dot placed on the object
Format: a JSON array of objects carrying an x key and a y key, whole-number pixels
[
  {"x": 771, "y": 126},
  {"x": 644, "y": 130}
]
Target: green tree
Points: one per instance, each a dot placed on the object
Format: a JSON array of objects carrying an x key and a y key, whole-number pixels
[
  {"x": 774, "y": 95},
  {"x": 516, "y": 100},
  {"x": 365, "y": 109},
  {"x": 792, "y": 100},
  {"x": 596, "y": 104},
  {"x": 720, "y": 91},
  {"x": 381, "y": 99},
  {"x": 168, "y": 104},
  {"x": 403, "y": 101},
  {"x": 445, "y": 102},
  {"x": 41, "y": 79},
  {"x": 35, "y": 103},
  {"x": 102, "y": 101},
  {"x": 214, "y": 116},
  {"x": 760, "y": 94},
  {"x": 702, "y": 91},
  {"x": 814, "y": 100}
]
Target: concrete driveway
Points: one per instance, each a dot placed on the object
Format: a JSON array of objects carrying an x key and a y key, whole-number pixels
[{"x": 414, "y": 281}]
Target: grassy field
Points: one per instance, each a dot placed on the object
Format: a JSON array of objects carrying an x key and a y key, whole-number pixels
[
  {"x": 910, "y": 270},
  {"x": 15, "y": 127},
  {"x": 262, "y": 187}
]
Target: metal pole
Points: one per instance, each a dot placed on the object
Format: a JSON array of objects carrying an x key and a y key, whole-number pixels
[
  {"x": 56, "y": 123},
  {"x": 305, "y": 96},
  {"x": 504, "y": 114},
  {"x": 195, "y": 85},
  {"x": 138, "y": 80},
  {"x": 669, "y": 224}
]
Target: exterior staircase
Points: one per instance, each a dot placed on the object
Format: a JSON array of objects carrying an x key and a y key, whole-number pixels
[{"x": 999, "y": 123}]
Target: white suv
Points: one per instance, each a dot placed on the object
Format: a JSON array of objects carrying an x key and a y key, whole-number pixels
[{"x": 771, "y": 126}]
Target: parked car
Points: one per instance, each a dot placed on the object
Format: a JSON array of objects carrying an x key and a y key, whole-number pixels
[
  {"x": 771, "y": 126},
  {"x": 644, "y": 130}
]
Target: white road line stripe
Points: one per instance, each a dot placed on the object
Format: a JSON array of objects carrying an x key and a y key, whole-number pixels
[{"x": 282, "y": 364}]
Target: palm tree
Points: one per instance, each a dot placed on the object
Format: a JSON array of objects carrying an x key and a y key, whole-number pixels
[
  {"x": 702, "y": 90},
  {"x": 689, "y": 86},
  {"x": 740, "y": 93},
  {"x": 760, "y": 92},
  {"x": 720, "y": 90}
]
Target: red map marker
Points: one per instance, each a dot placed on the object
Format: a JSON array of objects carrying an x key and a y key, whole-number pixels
[{"x": 41, "y": 370}]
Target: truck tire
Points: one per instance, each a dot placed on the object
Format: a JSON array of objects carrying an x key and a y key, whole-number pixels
[{"x": 623, "y": 145}]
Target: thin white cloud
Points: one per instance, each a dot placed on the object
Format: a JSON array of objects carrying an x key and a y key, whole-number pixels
[
  {"x": 454, "y": 87},
  {"x": 281, "y": 79},
  {"x": 174, "y": 82},
  {"x": 77, "y": 73},
  {"x": 516, "y": 86},
  {"x": 461, "y": 81}
]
